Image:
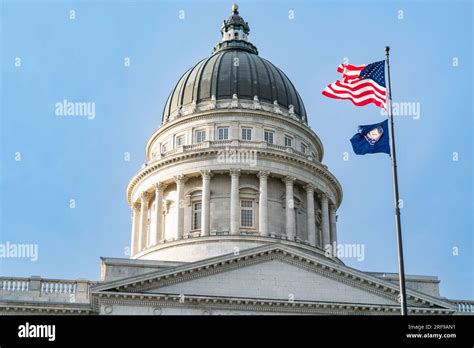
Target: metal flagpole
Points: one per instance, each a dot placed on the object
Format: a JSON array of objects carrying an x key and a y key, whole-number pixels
[{"x": 401, "y": 267}]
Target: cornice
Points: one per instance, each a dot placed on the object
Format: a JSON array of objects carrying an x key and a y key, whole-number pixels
[
  {"x": 43, "y": 308},
  {"x": 208, "y": 303}
]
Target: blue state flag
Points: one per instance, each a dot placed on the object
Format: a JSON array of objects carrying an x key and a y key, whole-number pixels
[{"x": 372, "y": 138}]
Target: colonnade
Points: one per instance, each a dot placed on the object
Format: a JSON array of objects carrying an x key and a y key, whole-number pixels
[{"x": 142, "y": 236}]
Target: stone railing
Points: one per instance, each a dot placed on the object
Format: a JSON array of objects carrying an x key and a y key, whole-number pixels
[
  {"x": 58, "y": 287},
  {"x": 232, "y": 144},
  {"x": 221, "y": 143},
  {"x": 170, "y": 152},
  {"x": 39, "y": 289},
  {"x": 463, "y": 306},
  {"x": 14, "y": 284},
  {"x": 191, "y": 147},
  {"x": 278, "y": 147}
]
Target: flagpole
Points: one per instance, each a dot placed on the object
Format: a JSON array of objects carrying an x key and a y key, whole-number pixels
[{"x": 401, "y": 267}]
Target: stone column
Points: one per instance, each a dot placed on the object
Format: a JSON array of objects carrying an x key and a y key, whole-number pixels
[
  {"x": 135, "y": 228},
  {"x": 157, "y": 235},
  {"x": 263, "y": 203},
  {"x": 324, "y": 219},
  {"x": 290, "y": 208},
  {"x": 332, "y": 220},
  {"x": 319, "y": 239},
  {"x": 310, "y": 214},
  {"x": 206, "y": 202},
  {"x": 234, "y": 202},
  {"x": 180, "y": 180},
  {"x": 143, "y": 221}
]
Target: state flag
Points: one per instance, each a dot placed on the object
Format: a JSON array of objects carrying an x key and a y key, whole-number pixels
[{"x": 372, "y": 138}]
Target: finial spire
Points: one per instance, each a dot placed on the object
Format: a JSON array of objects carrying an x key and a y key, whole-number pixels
[{"x": 235, "y": 8}]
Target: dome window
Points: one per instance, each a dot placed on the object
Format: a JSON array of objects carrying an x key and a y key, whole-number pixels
[
  {"x": 269, "y": 136},
  {"x": 200, "y": 136},
  {"x": 246, "y": 133},
  {"x": 288, "y": 141},
  {"x": 304, "y": 148},
  {"x": 223, "y": 133},
  {"x": 180, "y": 140}
]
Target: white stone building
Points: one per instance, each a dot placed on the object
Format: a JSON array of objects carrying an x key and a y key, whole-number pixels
[{"x": 231, "y": 212}]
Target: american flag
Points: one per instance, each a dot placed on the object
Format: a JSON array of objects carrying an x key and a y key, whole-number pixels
[{"x": 361, "y": 84}]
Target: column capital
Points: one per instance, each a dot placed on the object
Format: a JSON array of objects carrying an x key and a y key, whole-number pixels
[
  {"x": 289, "y": 180},
  {"x": 180, "y": 179},
  {"x": 263, "y": 174},
  {"x": 234, "y": 172},
  {"x": 159, "y": 186},
  {"x": 323, "y": 197},
  {"x": 144, "y": 196},
  {"x": 309, "y": 188},
  {"x": 332, "y": 208},
  {"x": 136, "y": 206},
  {"x": 206, "y": 174}
]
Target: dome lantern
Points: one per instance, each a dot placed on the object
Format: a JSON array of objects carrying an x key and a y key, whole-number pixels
[
  {"x": 235, "y": 31},
  {"x": 235, "y": 28}
]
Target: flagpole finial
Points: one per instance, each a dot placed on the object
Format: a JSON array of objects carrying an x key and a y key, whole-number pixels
[{"x": 387, "y": 49}]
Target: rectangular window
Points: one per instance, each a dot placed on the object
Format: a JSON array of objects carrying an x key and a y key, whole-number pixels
[
  {"x": 200, "y": 136},
  {"x": 269, "y": 135},
  {"x": 288, "y": 141},
  {"x": 223, "y": 133},
  {"x": 164, "y": 148},
  {"x": 246, "y": 213},
  {"x": 246, "y": 133},
  {"x": 304, "y": 148},
  {"x": 197, "y": 216},
  {"x": 180, "y": 140}
]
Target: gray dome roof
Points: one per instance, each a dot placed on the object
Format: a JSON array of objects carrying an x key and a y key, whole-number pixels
[{"x": 220, "y": 77}]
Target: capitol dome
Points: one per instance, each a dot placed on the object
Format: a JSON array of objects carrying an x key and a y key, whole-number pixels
[
  {"x": 234, "y": 164},
  {"x": 235, "y": 70}
]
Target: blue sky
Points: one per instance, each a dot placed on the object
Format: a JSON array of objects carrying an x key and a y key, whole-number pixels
[{"x": 81, "y": 159}]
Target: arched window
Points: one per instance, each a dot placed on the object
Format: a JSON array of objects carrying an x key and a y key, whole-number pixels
[
  {"x": 193, "y": 211},
  {"x": 197, "y": 208},
  {"x": 248, "y": 208},
  {"x": 247, "y": 213}
]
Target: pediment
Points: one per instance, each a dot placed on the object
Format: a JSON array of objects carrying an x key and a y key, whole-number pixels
[
  {"x": 275, "y": 272},
  {"x": 275, "y": 279}
]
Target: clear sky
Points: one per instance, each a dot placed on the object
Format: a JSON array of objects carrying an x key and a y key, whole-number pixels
[{"x": 82, "y": 59}]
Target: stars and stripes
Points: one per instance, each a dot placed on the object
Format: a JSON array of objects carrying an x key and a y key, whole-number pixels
[{"x": 361, "y": 84}]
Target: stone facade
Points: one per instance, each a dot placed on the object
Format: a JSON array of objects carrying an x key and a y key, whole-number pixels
[{"x": 278, "y": 278}]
